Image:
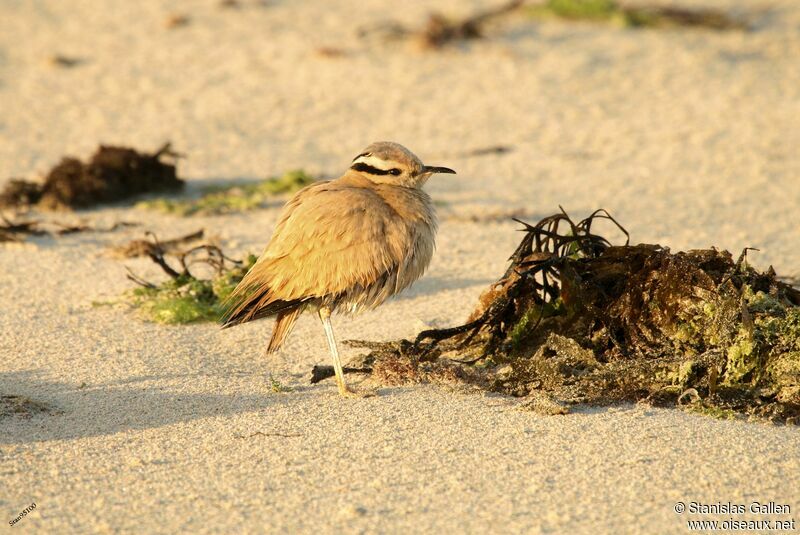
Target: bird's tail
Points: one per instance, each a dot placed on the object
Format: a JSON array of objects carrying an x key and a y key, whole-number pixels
[
  {"x": 247, "y": 304},
  {"x": 283, "y": 326}
]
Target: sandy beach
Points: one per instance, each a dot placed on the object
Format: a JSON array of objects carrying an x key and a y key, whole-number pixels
[{"x": 688, "y": 137}]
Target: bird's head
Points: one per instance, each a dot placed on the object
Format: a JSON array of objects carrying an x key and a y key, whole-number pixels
[{"x": 385, "y": 162}]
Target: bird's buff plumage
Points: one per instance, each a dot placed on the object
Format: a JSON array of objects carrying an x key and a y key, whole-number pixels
[{"x": 346, "y": 244}]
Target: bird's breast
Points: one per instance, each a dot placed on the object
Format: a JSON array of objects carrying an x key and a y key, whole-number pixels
[
  {"x": 417, "y": 226},
  {"x": 409, "y": 239}
]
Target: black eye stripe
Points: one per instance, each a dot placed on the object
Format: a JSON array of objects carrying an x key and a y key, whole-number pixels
[{"x": 366, "y": 168}]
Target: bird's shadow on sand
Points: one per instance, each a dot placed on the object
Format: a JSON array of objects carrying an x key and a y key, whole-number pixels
[{"x": 79, "y": 411}]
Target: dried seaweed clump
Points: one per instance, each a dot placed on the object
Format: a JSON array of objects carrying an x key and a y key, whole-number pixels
[
  {"x": 113, "y": 174},
  {"x": 652, "y": 16},
  {"x": 237, "y": 198},
  {"x": 440, "y": 30},
  {"x": 18, "y": 230},
  {"x": 21, "y": 406},
  {"x": 137, "y": 248},
  {"x": 185, "y": 297},
  {"x": 579, "y": 320}
]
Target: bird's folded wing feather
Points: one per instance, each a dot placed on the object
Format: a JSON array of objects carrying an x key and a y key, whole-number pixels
[{"x": 330, "y": 238}]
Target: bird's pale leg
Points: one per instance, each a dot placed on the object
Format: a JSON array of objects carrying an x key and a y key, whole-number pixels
[{"x": 325, "y": 316}]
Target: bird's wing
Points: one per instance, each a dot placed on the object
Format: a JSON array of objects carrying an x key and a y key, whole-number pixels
[
  {"x": 331, "y": 237},
  {"x": 252, "y": 298}
]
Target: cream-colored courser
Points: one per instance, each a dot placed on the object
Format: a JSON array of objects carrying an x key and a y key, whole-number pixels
[{"x": 346, "y": 244}]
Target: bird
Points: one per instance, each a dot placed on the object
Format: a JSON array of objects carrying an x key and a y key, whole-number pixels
[{"x": 343, "y": 245}]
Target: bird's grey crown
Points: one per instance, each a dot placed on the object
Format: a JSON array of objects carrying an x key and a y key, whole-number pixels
[{"x": 387, "y": 157}]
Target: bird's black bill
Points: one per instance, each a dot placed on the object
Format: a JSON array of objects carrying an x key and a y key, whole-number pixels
[{"x": 431, "y": 169}]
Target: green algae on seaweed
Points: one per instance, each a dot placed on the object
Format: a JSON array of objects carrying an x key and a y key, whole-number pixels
[
  {"x": 635, "y": 16},
  {"x": 182, "y": 300},
  {"x": 578, "y": 9},
  {"x": 184, "y": 297},
  {"x": 232, "y": 198}
]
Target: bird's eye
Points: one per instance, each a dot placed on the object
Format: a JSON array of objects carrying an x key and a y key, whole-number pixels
[{"x": 394, "y": 171}]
